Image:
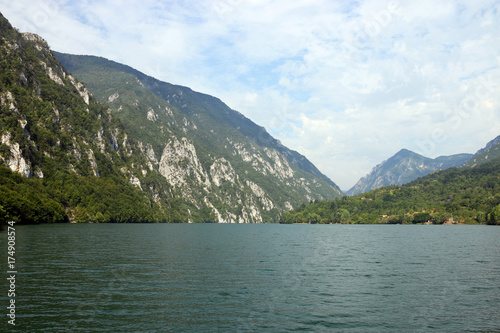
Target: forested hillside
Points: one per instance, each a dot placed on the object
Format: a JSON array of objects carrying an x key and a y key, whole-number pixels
[
  {"x": 463, "y": 195},
  {"x": 64, "y": 156}
]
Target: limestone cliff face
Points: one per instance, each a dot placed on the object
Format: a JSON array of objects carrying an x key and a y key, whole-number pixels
[
  {"x": 222, "y": 171},
  {"x": 16, "y": 161},
  {"x": 219, "y": 184},
  {"x": 179, "y": 163},
  {"x": 47, "y": 114},
  {"x": 229, "y": 185}
]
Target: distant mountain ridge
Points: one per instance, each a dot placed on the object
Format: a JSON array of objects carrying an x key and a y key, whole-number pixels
[{"x": 404, "y": 167}]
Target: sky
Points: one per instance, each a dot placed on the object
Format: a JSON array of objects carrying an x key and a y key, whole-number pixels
[{"x": 346, "y": 83}]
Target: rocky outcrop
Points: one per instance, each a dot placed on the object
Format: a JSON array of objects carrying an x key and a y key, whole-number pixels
[
  {"x": 280, "y": 167},
  {"x": 179, "y": 162},
  {"x": 7, "y": 99},
  {"x": 152, "y": 116},
  {"x": 38, "y": 41},
  {"x": 93, "y": 162},
  {"x": 135, "y": 181},
  {"x": 16, "y": 161},
  {"x": 222, "y": 171},
  {"x": 52, "y": 73},
  {"x": 113, "y": 97},
  {"x": 82, "y": 90},
  {"x": 267, "y": 204}
]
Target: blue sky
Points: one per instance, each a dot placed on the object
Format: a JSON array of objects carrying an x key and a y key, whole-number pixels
[{"x": 348, "y": 84}]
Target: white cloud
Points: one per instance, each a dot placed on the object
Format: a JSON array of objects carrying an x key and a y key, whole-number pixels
[{"x": 347, "y": 84}]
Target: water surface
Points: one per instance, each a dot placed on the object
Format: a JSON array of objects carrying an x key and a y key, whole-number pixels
[{"x": 255, "y": 278}]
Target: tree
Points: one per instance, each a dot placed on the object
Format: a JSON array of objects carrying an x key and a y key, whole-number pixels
[
  {"x": 99, "y": 218},
  {"x": 314, "y": 218},
  {"x": 287, "y": 218},
  {"x": 342, "y": 215},
  {"x": 421, "y": 217},
  {"x": 494, "y": 216},
  {"x": 441, "y": 217},
  {"x": 396, "y": 219},
  {"x": 3, "y": 215}
]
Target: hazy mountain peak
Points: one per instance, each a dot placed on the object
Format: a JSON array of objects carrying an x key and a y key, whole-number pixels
[
  {"x": 405, "y": 152},
  {"x": 404, "y": 167}
]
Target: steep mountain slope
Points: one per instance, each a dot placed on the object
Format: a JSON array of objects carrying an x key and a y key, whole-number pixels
[
  {"x": 488, "y": 153},
  {"x": 404, "y": 167},
  {"x": 189, "y": 102},
  {"x": 76, "y": 160},
  {"x": 209, "y": 153}
]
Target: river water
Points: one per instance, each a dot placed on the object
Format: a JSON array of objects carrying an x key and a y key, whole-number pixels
[{"x": 254, "y": 278}]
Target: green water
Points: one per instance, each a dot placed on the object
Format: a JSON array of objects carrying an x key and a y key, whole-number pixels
[{"x": 254, "y": 278}]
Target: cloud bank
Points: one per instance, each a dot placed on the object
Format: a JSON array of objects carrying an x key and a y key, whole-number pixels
[{"x": 348, "y": 84}]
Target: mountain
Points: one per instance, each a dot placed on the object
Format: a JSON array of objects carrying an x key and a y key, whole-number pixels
[
  {"x": 490, "y": 152},
  {"x": 63, "y": 155},
  {"x": 234, "y": 162},
  {"x": 212, "y": 155},
  {"x": 189, "y": 102},
  {"x": 453, "y": 195},
  {"x": 157, "y": 153},
  {"x": 404, "y": 167}
]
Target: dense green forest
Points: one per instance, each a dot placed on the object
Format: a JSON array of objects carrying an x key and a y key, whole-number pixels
[
  {"x": 82, "y": 199},
  {"x": 461, "y": 195}
]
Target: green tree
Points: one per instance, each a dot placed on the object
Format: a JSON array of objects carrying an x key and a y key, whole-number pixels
[
  {"x": 3, "y": 215},
  {"x": 421, "y": 217},
  {"x": 342, "y": 215},
  {"x": 494, "y": 216},
  {"x": 314, "y": 218},
  {"x": 396, "y": 219}
]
